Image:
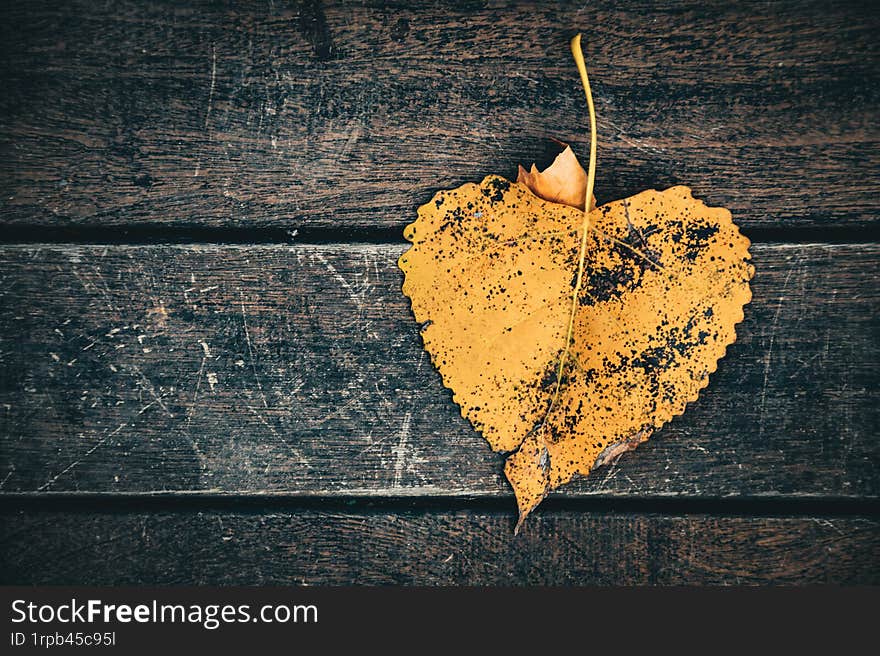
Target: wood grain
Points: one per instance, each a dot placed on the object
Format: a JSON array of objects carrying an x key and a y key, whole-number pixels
[
  {"x": 241, "y": 410},
  {"x": 435, "y": 548},
  {"x": 299, "y": 370},
  {"x": 347, "y": 116}
]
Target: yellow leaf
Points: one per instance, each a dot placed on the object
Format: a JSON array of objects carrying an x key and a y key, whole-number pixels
[
  {"x": 567, "y": 337},
  {"x": 490, "y": 270},
  {"x": 649, "y": 330}
]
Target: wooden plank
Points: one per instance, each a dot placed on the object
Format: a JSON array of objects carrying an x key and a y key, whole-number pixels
[
  {"x": 435, "y": 548},
  {"x": 313, "y": 115},
  {"x": 299, "y": 370}
]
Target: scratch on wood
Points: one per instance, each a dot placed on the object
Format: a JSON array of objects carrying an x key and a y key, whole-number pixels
[
  {"x": 400, "y": 450},
  {"x": 206, "y": 353},
  {"x": 353, "y": 136},
  {"x": 148, "y": 385},
  {"x": 340, "y": 410},
  {"x": 612, "y": 472},
  {"x": 79, "y": 461},
  {"x": 210, "y": 100},
  {"x": 247, "y": 337},
  {"x": 104, "y": 289},
  {"x": 90, "y": 286},
  {"x": 352, "y": 292},
  {"x": 8, "y": 475},
  {"x": 635, "y": 143},
  {"x": 768, "y": 358},
  {"x": 827, "y": 523},
  {"x": 213, "y": 83},
  {"x": 296, "y": 453}
]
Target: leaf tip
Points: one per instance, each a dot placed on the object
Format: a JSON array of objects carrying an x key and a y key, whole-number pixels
[{"x": 528, "y": 472}]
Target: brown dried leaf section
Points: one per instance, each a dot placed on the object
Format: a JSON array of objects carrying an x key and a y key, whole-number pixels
[
  {"x": 564, "y": 181},
  {"x": 491, "y": 274}
]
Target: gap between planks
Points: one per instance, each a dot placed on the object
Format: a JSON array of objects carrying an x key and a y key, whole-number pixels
[
  {"x": 423, "y": 501},
  {"x": 291, "y": 235}
]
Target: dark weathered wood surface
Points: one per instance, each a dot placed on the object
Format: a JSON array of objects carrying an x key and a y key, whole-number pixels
[
  {"x": 433, "y": 548},
  {"x": 300, "y": 370},
  {"x": 348, "y": 115},
  {"x": 252, "y": 405}
]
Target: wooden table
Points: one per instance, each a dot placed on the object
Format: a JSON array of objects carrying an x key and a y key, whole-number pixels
[{"x": 208, "y": 373}]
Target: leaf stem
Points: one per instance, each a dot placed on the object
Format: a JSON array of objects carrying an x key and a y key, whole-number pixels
[{"x": 578, "y": 55}]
